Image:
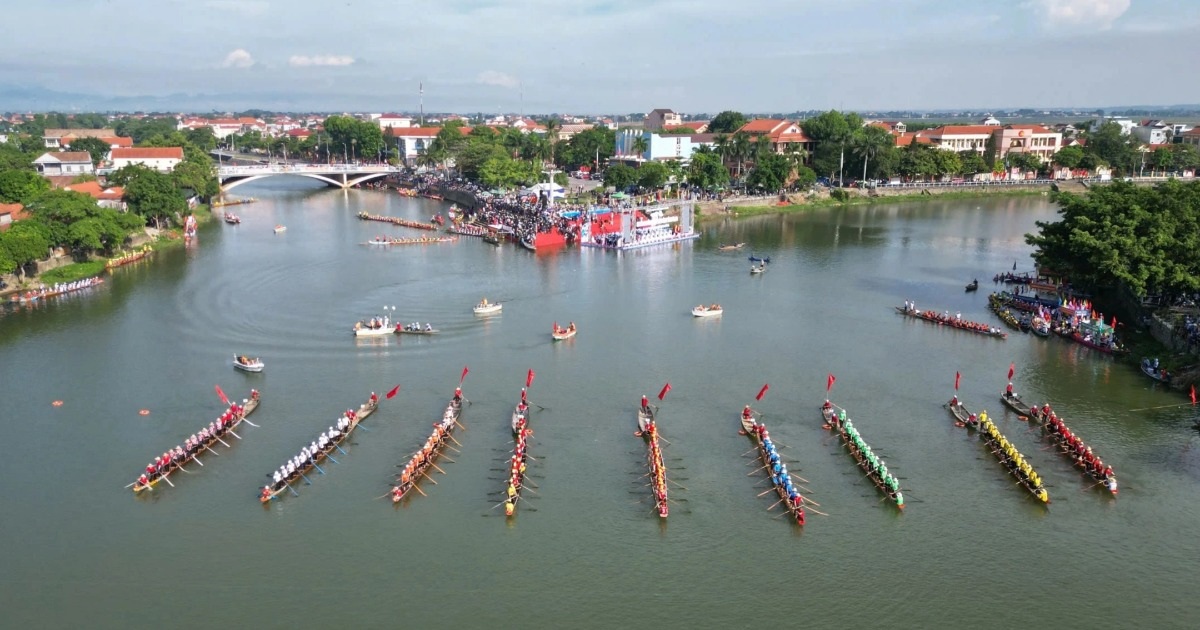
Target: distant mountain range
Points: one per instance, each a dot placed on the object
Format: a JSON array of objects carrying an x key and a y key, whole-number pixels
[{"x": 23, "y": 98}]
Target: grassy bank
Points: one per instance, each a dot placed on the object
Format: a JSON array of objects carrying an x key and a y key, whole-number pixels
[
  {"x": 74, "y": 271},
  {"x": 857, "y": 200}
]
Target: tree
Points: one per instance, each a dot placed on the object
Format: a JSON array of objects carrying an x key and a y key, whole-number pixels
[
  {"x": 1162, "y": 159},
  {"x": 1113, "y": 147},
  {"x": 25, "y": 242},
  {"x": 918, "y": 162},
  {"x": 358, "y": 138},
  {"x": 652, "y": 175},
  {"x": 591, "y": 146},
  {"x": 21, "y": 186},
  {"x": 619, "y": 176},
  {"x": 830, "y": 132},
  {"x": 472, "y": 157},
  {"x": 640, "y": 146},
  {"x": 1185, "y": 156},
  {"x": 1023, "y": 161},
  {"x": 152, "y": 195},
  {"x": 95, "y": 147},
  {"x": 805, "y": 178},
  {"x": 12, "y": 158},
  {"x": 707, "y": 171},
  {"x": 1069, "y": 157},
  {"x": 971, "y": 162},
  {"x": 553, "y": 126},
  {"x": 946, "y": 162},
  {"x": 770, "y": 173},
  {"x": 197, "y": 175},
  {"x": 727, "y": 121},
  {"x": 868, "y": 141}
]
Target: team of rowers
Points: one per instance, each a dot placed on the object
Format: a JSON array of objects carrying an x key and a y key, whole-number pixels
[
  {"x": 776, "y": 468},
  {"x": 309, "y": 455},
  {"x": 867, "y": 459},
  {"x": 397, "y": 221},
  {"x": 416, "y": 327},
  {"x": 423, "y": 458},
  {"x": 1012, "y": 458},
  {"x": 956, "y": 320},
  {"x": 125, "y": 259},
  {"x": 654, "y": 459},
  {"x": 1074, "y": 447},
  {"x": 516, "y": 464},
  {"x": 57, "y": 288},
  {"x": 166, "y": 463}
]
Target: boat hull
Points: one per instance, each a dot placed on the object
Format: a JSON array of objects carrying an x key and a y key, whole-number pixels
[{"x": 488, "y": 310}]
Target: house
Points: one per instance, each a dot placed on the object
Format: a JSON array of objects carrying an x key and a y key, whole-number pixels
[
  {"x": 960, "y": 137},
  {"x": 65, "y": 163},
  {"x": 387, "y": 121},
  {"x": 526, "y": 125},
  {"x": 989, "y": 121},
  {"x": 162, "y": 159},
  {"x": 10, "y": 212},
  {"x": 659, "y": 147},
  {"x": 660, "y": 119},
  {"x": 1191, "y": 136},
  {"x": 568, "y": 131},
  {"x": 1034, "y": 139},
  {"x": 54, "y": 138},
  {"x": 299, "y": 134},
  {"x": 696, "y": 126},
  {"x": 892, "y": 126},
  {"x": 1126, "y": 124},
  {"x": 1153, "y": 132},
  {"x": 411, "y": 141},
  {"x": 905, "y": 139},
  {"x": 111, "y": 197},
  {"x": 782, "y": 134}
]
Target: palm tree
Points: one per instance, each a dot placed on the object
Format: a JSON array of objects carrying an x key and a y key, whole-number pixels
[
  {"x": 869, "y": 141},
  {"x": 796, "y": 154},
  {"x": 553, "y": 126},
  {"x": 640, "y": 146},
  {"x": 740, "y": 149}
]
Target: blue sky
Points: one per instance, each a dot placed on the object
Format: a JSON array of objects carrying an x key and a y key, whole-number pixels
[{"x": 612, "y": 55}]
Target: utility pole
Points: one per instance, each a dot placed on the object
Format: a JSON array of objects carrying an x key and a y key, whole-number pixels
[{"x": 422, "y": 89}]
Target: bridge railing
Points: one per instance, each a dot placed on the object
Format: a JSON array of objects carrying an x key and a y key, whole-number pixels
[{"x": 268, "y": 169}]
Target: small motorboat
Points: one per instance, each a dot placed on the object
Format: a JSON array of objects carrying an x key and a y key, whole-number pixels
[
  {"x": 280, "y": 228},
  {"x": 756, "y": 259},
  {"x": 374, "y": 328},
  {"x": 563, "y": 333},
  {"x": 232, "y": 218},
  {"x": 758, "y": 268},
  {"x": 730, "y": 247},
  {"x": 1160, "y": 375},
  {"x": 246, "y": 364},
  {"x": 416, "y": 329},
  {"x": 707, "y": 311},
  {"x": 487, "y": 308},
  {"x": 973, "y": 286}
]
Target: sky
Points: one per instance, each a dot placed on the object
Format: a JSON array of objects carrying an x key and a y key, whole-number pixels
[{"x": 605, "y": 56}]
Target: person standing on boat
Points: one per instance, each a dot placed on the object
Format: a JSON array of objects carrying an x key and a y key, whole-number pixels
[
  {"x": 645, "y": 404},
  {"x": 1008, "y": 390},
  {"x": 458, "y": 395}
]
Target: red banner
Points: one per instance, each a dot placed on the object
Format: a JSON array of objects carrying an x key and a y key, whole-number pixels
[
  {"x": 1114, "y": 324},
  {"x": 221, "y": 394},
  {"x": 1192, "y": 394},
  {"x": 829, "y": 382},
  {"x": 1012, "y": 369},
  {"x": 663, "y": 393},
  {"x": 957, "y": 376},
  {"x": 392, "y": 392},
  {"x": 464, "y": 375},
  {"x": 529, "y": 379},
  {"x": 762, "y": 392}
]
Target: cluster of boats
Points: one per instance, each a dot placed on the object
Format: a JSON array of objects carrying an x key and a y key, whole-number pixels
[
  {"x": 161, "y": 468},
  {"x": 59, "y": 288},
  {"x": 1027, "y": 322},
  {"x": 126, "y": 259},
  {"x": 310, "y": 457},
  {"x": 955, "y": 321},
  {"x": 1041, "y": 319},
  {"x": 657, "y": 468},
  {"x": 419, "y": 464},
  {"x": 1001, "y": 448},
  {"x": 776, "y": 468},
  {"x": 874, "y": 467},
  {"x": 397, "y": 221}
]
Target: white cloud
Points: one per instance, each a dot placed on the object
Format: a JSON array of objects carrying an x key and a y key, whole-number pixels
[
  {"x": 1081, "y": 13},
  {"x": 500, "y": 79},
  {"x": 320, "y": 60},
  {"x": 238, "y": 58},
  {"x": 244, "y": 7}
]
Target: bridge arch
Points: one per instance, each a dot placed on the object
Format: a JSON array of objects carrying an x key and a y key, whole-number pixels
[{"x": 234, "y": 176}]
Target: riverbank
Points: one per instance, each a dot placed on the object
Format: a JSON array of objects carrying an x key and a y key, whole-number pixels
[{"x": 797, "y": 203}]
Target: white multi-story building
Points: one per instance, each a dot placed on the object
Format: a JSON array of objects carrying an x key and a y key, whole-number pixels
[{"x": 162, "y": 159}]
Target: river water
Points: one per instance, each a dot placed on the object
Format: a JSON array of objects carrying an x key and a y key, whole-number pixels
[{"x": 972, "y": 549}]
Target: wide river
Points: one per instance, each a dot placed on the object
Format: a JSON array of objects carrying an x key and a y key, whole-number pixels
[{"x": 971, "y": 550}]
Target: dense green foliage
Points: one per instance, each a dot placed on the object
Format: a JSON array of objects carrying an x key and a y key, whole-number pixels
[
  {"x": 73, "y": 221},
  {"x": 1143, "y": 238},
  {"x": 357, "y": 139},
  {"x": 590, "y": 147},
  {"x": 73, "y": 271},
  {"x": 23, "y": 243},
  {"x": 727, "y": 121},
  {"x": 620, "y": 176},
  {"x": 707, "y": 171},
  {"x": 21, "y": 186},
  {"x": 94, "y": 147}
]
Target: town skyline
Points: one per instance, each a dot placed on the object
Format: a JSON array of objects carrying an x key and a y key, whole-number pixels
[{"x": 603, "y": 57}]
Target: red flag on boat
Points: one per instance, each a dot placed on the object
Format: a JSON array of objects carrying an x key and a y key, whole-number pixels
[
  {"x": 829, "y": 382},
  {"x": 663, "y": 393},
  {"x": 1114, "y": 324},
  {"x": 464, "y": 375},
  {"x": 392, "y": 392},
  {"x": 957, "y": 376},
  {"x": 529, "y": 379},
  {"x": 1192, "y": 394},
  {"x": 762, "y": 391},
  {"x": 221, "y": 394},
  {"x": 1012, "y": 369}
]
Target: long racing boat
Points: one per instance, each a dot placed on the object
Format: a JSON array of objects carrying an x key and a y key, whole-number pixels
[
  {"x": 871, "y": 464},
  {"x": 776, "y": 469},
  {"x": 657, "y": 468},
  {"x": 397, "y": 221},
  {"x": 1011, "y": 459},
  {"x": 519, "y": 459},
  {"x": 1069, "y": 445},
  {"x": 947, "y": 320},
  {"x": 419, "y": 464},
  {"x": 162, "y": 467},
  {"x": 310, "y": 457}
]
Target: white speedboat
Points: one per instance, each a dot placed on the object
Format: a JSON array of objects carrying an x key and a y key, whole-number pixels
[
  {"x": 487, "y": 308},
  {"x": 246, "y": 364},
  {"x": 280, "y": 228},
  {"x": 362, "y": 329},
  {"x": 707, "y": 311},
  {"x": 759, "y": 268}
]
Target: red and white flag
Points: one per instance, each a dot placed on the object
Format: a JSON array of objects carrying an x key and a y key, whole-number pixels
[
  {"x": 663, "y": 393},
  {"x": 762, "y": 392}
]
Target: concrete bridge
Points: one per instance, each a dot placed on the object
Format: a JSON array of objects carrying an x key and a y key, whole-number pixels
[{"x": 339, "y": 175}]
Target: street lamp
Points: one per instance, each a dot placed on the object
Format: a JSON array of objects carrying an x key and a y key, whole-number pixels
[
  {"x": 353, "y": 141},
  {"x": 345, "y": 153}
]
